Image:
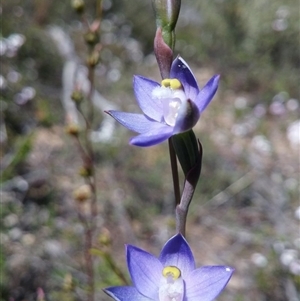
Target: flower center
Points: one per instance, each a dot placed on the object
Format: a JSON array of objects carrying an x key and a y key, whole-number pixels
[
  {"x": 172, "y": 95},
  {"x": 171, "y": 286}
]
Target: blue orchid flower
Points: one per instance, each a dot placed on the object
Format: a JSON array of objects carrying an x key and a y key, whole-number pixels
[
  {"x": 171, "y": 277},
  {"x": 168, "y": 109}
]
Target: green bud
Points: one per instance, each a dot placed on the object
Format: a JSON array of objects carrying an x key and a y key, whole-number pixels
[
  {"x": 167, "y": 12},
  {"x": 77, "y": 96},
  {"x": 105, "y": 238},
  {"x": 72, "y": 129},
  {"x": 82, "y": 193},
  {"x": 93, "y": 58},
  {"x": 91, "y": 38},
  {"x": 68, "y": 282},
  {"x": 78, "y": 5},
  {"x": 85, "y": 171}
]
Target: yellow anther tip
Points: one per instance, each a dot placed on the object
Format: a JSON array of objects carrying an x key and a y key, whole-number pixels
[
  {"x": 172, "y": 271},
  {"x": 173, "y": 83}
]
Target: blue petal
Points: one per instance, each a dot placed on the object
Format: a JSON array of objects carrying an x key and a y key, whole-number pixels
[
  {"x": 157, "y": 133},
  {"x": 143, "y": 88},
  {"x": 207, "y": 93},
  {"x": 135, "y": 122},
  {"x": 125, "y": 293},
  {"x": 177, "y": 252},
  {"x": 206, "y": 283},
  {"x": 145, "y": 271},
  {"x": 181, "y": 70}
]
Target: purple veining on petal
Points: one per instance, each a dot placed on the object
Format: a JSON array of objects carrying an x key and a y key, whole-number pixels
[
  {"x": 125, "y": 293},
  {"x": 207, "y": 93},
  {"x": 143, "y": 88},
  {"x": 150, "y": 282},
  {"x": 135, "y": 122},
  {"x": 177, "y": 252},
  {"x": 145, "y": 271},
  {"x": 181, "y": 70},
  {"x": 167, "y": 110},
  {"x": 153, "y": 136},
  {"x": 206, "y": 283}
]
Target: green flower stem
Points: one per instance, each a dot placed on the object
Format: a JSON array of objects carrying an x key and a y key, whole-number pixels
[
  {"x": 174, "y": 168},
  {"x": 189, "y": 188},
  {"x": 166, "y": 14},
  {"x": 99, "y": 10},
  {"x": 182, "y": 208}
]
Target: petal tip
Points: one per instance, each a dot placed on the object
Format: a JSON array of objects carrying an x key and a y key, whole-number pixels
[
  {"x": 182, "y": 60},
  {"x": 135, "y": 77},
  {"x": 229, "y": 269},
  {"x": 108, "y": 291},
  {"x": 137, "y": 142},
  {"x": 215, "y": 79}
]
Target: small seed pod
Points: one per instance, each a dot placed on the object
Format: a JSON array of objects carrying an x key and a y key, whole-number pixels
[
  {"x": 78, "y": 6},
  {"x": 82, "y": 193}
]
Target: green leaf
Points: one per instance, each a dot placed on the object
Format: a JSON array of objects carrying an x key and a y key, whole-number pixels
[
  {"x": 23, "y": 148},
  {"x": 187, "y": 150}
]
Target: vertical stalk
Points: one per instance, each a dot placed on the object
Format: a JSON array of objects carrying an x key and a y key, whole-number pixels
[
  {"x": 99, "y": 9},
  {"x": 90, "y": 179},
  {"x": 89, "y": 122},
  {"x": 174, "y": 168},
  {"x": 89, "y": 262},
  {"x": 166, "y": 15}
]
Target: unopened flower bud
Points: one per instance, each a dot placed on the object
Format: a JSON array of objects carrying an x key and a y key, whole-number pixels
[
  {"x": 93, "y": 58},
  {"x": 167, "y": 12},
  {"x": 72, "y": 129},
  {"x": 78, "y": 5},
  {"x": 91, "y": 37},
  {"x": 85, "y": 171},
  {"x": 68, "y": 283},
  {"x": 82, "y": 193},
  {"x": 77, "y": 96},
  {"x": 105, "y": 238}
]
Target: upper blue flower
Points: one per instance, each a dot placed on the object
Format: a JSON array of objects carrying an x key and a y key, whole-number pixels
[
  {"x": 168, "y": 109},
  {"x": 171, "y": 277}
]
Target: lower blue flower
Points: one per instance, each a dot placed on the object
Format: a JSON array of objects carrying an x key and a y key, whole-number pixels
[{"x": 171, "y": 277}]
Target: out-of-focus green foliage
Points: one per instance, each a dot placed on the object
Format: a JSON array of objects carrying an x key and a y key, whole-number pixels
[
  {"x": 23, "y": 148},
  {"x": 252, "y": 41}
]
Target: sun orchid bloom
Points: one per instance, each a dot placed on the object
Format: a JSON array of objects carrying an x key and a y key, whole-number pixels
[
  {"x": 168, "y": 109},
  {"x": 171, "y": 277}
]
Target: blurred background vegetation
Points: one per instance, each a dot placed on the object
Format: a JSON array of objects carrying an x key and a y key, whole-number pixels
[{"x": 246, "y": 209}]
